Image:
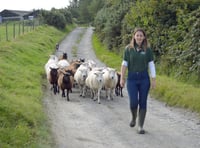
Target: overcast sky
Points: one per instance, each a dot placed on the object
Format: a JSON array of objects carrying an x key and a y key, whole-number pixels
[{"x": 33, "y": 4}]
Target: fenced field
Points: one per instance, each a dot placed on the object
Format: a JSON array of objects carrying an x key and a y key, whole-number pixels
[{"x": 12, "y": 29}]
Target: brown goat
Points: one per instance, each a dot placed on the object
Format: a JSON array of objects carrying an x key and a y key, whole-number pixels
[
  {"x": 53, "y": 79},
  {"x": 118, "y": 88},
  {"x": 74, "y": 66},
  {"x": 65, "y": 82}
]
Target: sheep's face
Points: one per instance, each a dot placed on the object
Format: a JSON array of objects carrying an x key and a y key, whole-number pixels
[
  {"x": 66, "y": 77},
  {"x": 82, "y": 60},
  {"x": 84, "y": 73},
  {"x": 99, "y": 76},
  {"x": 54, "y": 72},
  {"x": 112, "y": 74},
  {"x": 64, "y": 55}
]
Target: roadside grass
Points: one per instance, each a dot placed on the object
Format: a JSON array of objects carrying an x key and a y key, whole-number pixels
[
  {"x": 110, "y": 58},
  {"x": 176, "y": 93},
  {"x": 23, "y": 121},
  {"x": 168, "y": 90}
]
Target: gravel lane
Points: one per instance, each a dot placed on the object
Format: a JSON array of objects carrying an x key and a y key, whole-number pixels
[{"x": 83, "y": 123}]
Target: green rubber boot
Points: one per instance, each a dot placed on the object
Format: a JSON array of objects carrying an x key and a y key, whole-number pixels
[
  {"x": 134, "y": 116},
  {"x": 142, "y": 114}
]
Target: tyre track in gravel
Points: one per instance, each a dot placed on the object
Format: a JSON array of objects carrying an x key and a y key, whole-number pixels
[{"x": 83, "y": 123}]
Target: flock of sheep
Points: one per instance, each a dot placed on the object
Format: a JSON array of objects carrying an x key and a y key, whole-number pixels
[{"x": 64, "y": 75}]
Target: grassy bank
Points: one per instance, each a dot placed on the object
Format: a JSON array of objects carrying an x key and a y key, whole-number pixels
[
  {"x": 23, "y": 122},
  {"x": 171, "y": 91}
]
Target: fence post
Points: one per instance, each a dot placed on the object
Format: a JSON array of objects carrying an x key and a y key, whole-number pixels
[
  {"x": 19, "y": 30},
  {"x": 14, "y": 30},
  {"x": 6, "y": 31},
  {"x": 23, "y": 27},
  {"x": 33, "y": 24}
]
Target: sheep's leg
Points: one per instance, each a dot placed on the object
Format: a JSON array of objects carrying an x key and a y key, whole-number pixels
[
  {"x": 116, "y": 93},
  {"x": 54, "y": 88},
  {"x": 108, "y": 93},
  {"x": 58, "y": 89},
  {"x": 98, "y": 95},
  {"x": 106, "y": 90},
  {"x": 111, "y": 93},
  {"x": 93, "y": 95},
  {"x": 80, "y": 90},
  {"x": 83, "y": 90},
  {"x": 63, "y": 93},
  {"x": 67, "y": 95},
  {"x": 121, "y": 93}
]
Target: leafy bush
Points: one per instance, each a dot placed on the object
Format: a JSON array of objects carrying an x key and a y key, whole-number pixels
[{"x": 54, "y": 18}]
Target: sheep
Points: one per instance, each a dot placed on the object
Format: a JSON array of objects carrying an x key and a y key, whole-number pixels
[
  {"x": 118, "y": 88},
  {"x": 74, "y": 65},
  {"x": 51, "y": 72},
  {"x": 52, "y": 62},
  {"x": 53, "y": 79},
  {"x": 80, "y": 76},
  {"x": 64, "y": 56},
  {"x": 65, "y": 81},
  {"x": 80, "y": 60},
  {"x": 63, "y": 63},
  {"x": 110, "y": 81},
  {"x": 90, "y": 64},
  {"x": 95, "y": 82}
]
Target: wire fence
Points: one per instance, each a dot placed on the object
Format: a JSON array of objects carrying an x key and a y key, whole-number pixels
[{"x": 11, "y": 30}]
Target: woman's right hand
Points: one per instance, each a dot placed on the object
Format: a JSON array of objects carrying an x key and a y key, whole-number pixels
[{"x": 122, "y": 82}]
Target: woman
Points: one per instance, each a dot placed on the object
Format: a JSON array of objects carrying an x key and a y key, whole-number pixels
[{"x": 138, "y": 58}]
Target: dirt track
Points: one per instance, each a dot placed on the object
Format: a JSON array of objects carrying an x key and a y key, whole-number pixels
[{"x": 83, "y": 123}]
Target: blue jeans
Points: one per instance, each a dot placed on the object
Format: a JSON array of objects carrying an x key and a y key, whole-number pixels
[{"x": 138, "y": 84}]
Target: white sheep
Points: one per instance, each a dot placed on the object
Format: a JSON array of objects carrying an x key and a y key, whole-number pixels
[
  {"x": 80, "y": 77},
  {"x": 52, "y": 62},
  {"x": 110, "y": 81},
  {"x": 63, "y": 63},
  {"x": 90, "y": 64},
  {"x": 95, "y": 82}
]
